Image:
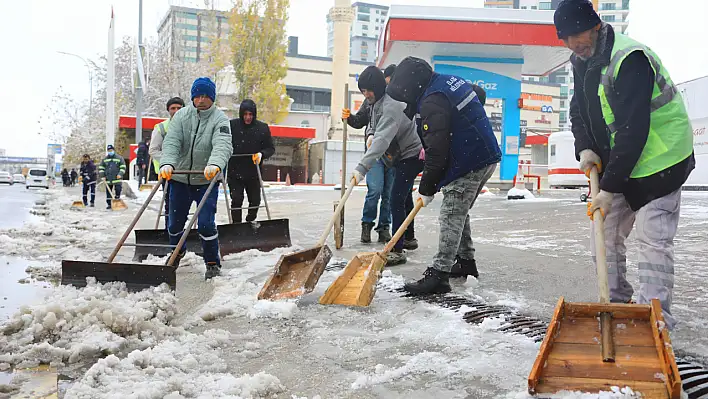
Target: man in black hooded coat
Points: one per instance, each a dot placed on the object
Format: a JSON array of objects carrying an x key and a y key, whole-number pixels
[{"x": 252, "y": 143}]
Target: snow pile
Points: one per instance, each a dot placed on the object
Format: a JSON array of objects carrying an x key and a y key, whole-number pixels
[
  {"x": 390, "y": 281},
  {"x": 236, "y": 291},
  {"x": 519, "y": 193},
  {"x": 422, "y": 363},
  {"x": 82, "y": 323},
  {"x": 14, "y": 246},
  {"x": 46, "y": 272},
  {"x": 188, "y": 366}
]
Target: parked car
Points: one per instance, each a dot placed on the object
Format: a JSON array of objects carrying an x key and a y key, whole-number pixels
[
  {"x": 37, "y": 178},
  {"x": 6, "y": 178},
  {"x": 18, "y": 178}
]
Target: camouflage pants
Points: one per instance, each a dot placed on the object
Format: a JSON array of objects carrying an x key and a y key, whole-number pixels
[
  {"x": 455, "y": 234},
  {"x": 656, "y": 224}
]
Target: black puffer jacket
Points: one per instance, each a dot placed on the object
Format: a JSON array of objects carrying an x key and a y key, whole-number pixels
[
  {"x": 88, "y": 172},
  {"x": 248, "y": 139}
]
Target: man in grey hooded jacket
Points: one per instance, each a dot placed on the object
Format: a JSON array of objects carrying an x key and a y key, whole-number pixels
[{"x": 396, "y": 142}]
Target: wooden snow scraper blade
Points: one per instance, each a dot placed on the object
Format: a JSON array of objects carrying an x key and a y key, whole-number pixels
[
  {"x": 592, "y": 347},
  {"x": 297, "y": 273},
  {"x": 136, "y": 276},
  {"x": 356, "y": 286},
  {"x": 116, "y": 203}
]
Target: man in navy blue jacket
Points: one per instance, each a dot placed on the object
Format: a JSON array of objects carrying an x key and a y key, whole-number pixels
[{"x": 461, "y": 153}]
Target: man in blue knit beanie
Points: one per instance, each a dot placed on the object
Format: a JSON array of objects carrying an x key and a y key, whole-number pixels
[{"x": 200, "y": 138}]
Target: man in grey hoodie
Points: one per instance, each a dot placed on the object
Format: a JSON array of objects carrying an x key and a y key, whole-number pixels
[{"x": 396, "y": 142}]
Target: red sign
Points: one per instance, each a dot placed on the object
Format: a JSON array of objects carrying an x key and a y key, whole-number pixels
[{"x": 133, "y": 152}]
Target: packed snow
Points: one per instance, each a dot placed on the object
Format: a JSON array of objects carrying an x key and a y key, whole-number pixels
[{"x": 217, "y": 340}]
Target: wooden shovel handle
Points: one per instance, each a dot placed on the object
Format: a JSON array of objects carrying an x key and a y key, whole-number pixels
[
  {"x": 401, "y": 230},
  {"x": 337, "y": 211},
  {"x": 600, "y": 254}
]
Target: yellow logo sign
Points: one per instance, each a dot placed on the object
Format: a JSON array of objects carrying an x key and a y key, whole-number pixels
[{"x": 425, "y": 127}]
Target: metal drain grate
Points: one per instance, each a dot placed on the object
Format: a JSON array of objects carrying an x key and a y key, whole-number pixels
[{"x": 693, "y": 376}]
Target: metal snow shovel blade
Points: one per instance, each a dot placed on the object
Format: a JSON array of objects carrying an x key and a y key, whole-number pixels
[
  {"x": 592, "y": 347},
  {"x": 157, "y": 241},
  {"x": 263, "y": 235},
  {"x": 356, "y": 286},
  {"x": 136, "y": 276},
  {"x": 297, "y": 273},
  {"x": 116, "y": 204}
]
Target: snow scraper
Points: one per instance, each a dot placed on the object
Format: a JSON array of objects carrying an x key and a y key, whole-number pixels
[
  {"x": 356, "y": 286},
  {"x": 297, "y": 273},
  {"x": 116, "y": 204},
  {"x": 136, "y": 276},
  {"x": 156, "y": 241},
  {"x": 263, "y": 235},
  {"x": 592, "y": 347}
]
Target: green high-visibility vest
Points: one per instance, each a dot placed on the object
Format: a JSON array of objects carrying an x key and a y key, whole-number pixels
[
  {"x": 670, "y": 138},
  {"x": 163, "y": 127}
]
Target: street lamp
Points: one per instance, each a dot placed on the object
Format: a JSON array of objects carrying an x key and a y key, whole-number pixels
[{"x": 90, "y": 83}]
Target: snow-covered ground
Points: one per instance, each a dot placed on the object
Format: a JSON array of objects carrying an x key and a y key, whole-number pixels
[{"x": 216, "y": 340}]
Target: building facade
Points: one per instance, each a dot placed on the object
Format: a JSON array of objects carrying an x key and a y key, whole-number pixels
[
  {"x": 614, "y": 12},
  {"x": 369, "y": 23},
  {"x": 186, "y": 32}
]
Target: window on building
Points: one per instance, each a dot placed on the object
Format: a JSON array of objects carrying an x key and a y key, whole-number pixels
[
  {"x": 571, "y": 92},
  {"x": 523, "y": 7},
  {"x": 378, "y": 11},
  {"x": 363, "y": 17},
  {"x": 608, "y": 18},
  {"x": 564, "y": 91},
  {"x": 534, "y": 7},
  {"x": 608, "y": 6},
  {"x": 545, "y": 5},
  {"x": 364, "y": 34},
  {"x": 625, "y": 4},
  {"x": 365, "y": 27},
  {"x": 365, "y": 10},
  {"x": 302, "y": 99},
  {"x": 544, "y": 79},
  {"x": 562, "y": 103},
  {"x": 563, "y": 116},
  {"x": 323, "y": 100}
]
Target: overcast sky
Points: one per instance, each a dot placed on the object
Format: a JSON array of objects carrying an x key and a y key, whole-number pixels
[{"x": 32, "y": 31}]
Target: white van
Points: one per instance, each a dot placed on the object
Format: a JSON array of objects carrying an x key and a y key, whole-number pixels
[{"x": 37, "y": 178}]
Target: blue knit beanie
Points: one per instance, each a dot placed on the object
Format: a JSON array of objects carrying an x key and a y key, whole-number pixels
[{"x": 204, "y": 86}]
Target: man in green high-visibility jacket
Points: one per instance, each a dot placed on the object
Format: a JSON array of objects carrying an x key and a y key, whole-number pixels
[
  {"x": 630, "y": 122},
  {"x": 111, "y": 170}
]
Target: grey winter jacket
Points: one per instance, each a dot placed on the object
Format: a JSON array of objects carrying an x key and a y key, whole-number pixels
[
  {"x": 197, "y": 139},
  {"x": 395, "y": 136}
]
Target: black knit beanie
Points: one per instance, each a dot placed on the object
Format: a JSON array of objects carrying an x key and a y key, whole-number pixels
[{"x": 575, "y": 16}]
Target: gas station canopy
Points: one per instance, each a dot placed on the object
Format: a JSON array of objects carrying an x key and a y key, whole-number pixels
[
  {"x": 490, "y": 47},
  {"x": 506, "y": 36}
]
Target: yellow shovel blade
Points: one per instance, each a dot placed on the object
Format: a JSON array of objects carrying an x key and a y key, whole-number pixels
[
  {"x": 356, "y": 285},
  {"x": 118, "y": 205},
  {"x": 77, "y": 204}
]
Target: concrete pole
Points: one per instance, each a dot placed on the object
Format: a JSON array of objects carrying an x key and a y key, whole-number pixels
[
  {"x": 342, "y": 16},
  {"x": 139, "y": 90}
]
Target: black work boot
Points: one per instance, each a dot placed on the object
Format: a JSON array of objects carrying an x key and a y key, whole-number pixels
[
  {"x": 410, "y": 244},
  {"x": 179, "y": 257},
  {"x": 396, "y": 258},
  {"x": 366, "y": 232},
  {"x": 463, "y": 268},
  {"x": 433, "y": 282},
  {"x": 384, "y": 235},
  {"x": 213, "y": 269}
]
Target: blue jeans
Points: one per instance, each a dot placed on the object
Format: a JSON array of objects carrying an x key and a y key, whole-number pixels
[
  {"x": 406, "y": 172},
  {"x": 379, "y": 182},
  {"x": 181, "y": 198}
]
